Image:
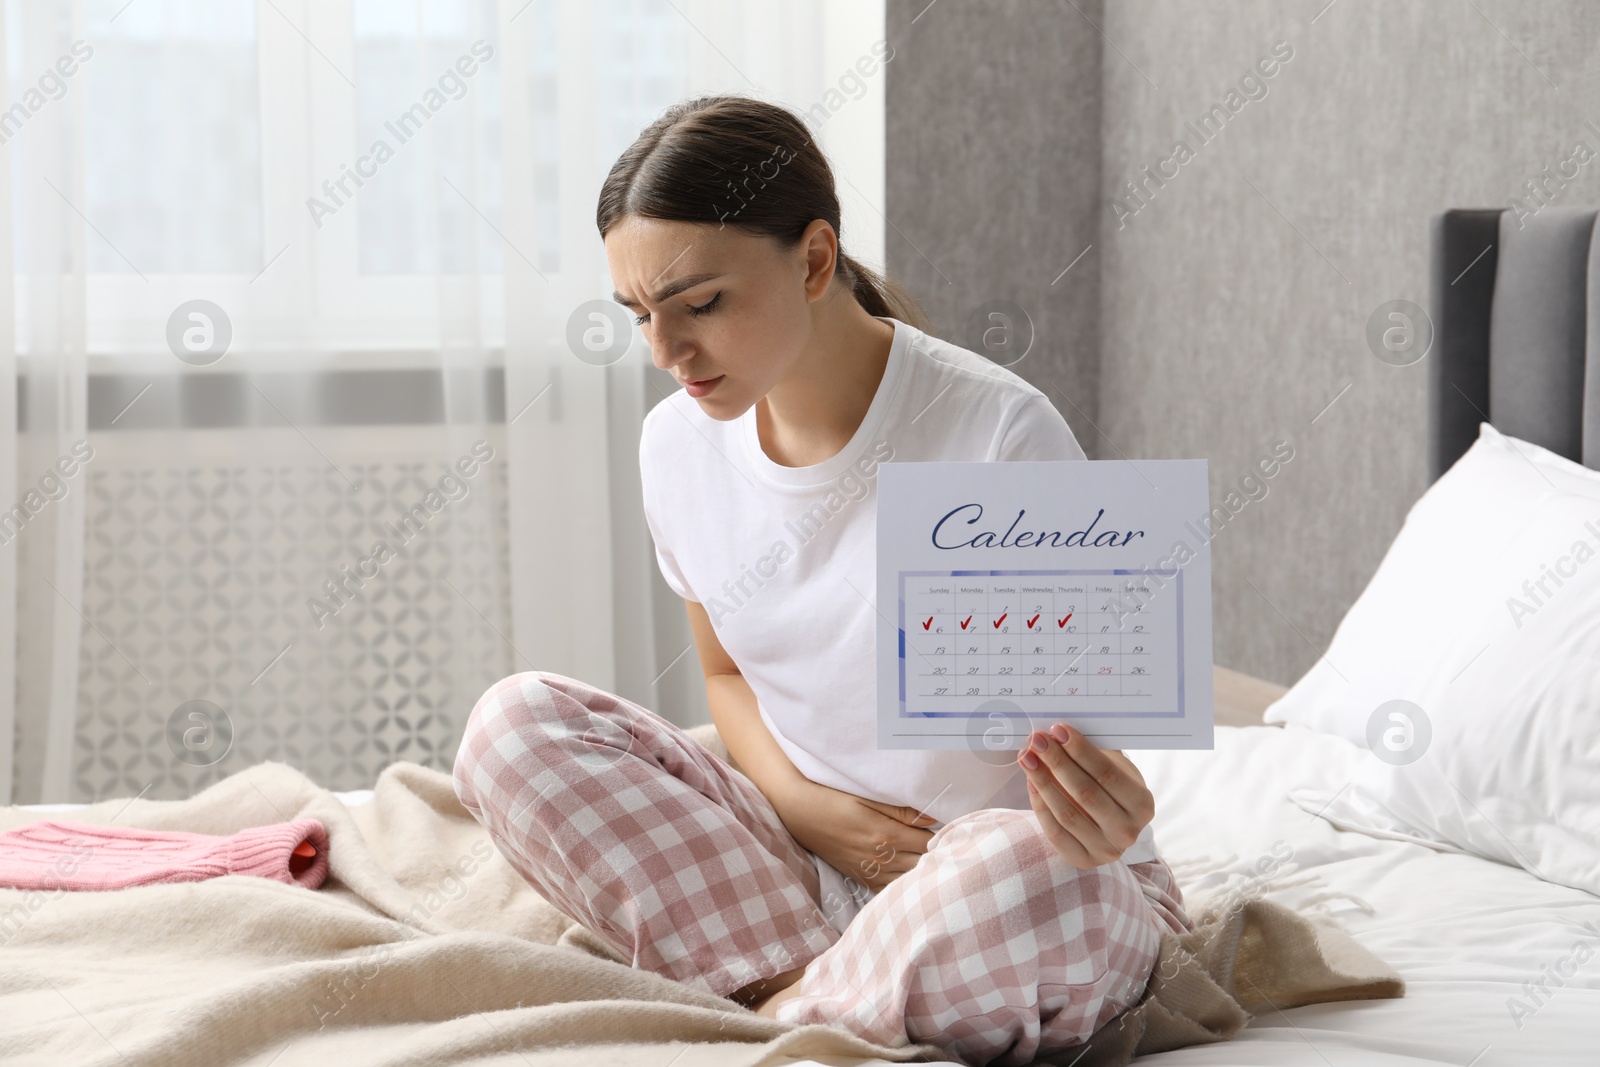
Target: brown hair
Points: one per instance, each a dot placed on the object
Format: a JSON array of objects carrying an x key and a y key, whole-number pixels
[{"x": 707, "y": 160}]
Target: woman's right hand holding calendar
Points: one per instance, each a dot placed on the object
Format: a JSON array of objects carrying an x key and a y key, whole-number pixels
[{"x": 871, "y": 842}]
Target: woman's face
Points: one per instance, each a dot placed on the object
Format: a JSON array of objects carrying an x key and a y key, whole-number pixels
[{"x": 744, "y": 318}]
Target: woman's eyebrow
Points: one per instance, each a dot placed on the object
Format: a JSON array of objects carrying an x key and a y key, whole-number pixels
[{"x": 671, "y": 289}]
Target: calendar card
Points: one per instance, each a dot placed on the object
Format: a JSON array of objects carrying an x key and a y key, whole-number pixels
[{"x": 1012, "y": 596}]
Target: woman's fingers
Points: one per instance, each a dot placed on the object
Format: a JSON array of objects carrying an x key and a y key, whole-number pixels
[
  {"x": 884, "y": 859},
  {"x": 1101, "y": 785},
  {"x": 1064, "y": 841},
  {"x": 894, "y": 830},
  {"x": 909, "y": 816},
  {"x": 896, "y": 837},
  {"x": 892, "y": 848},
  {"x": 1080, "y": 837},
  {"x": 1124, "y": 762},
  {"x": 883, "y": 867},
  {"x": 865, "y": 840},
  {"x": 1116, "y": 801}
]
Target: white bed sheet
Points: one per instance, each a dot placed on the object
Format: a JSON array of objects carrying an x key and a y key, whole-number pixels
[{"x": 1466, "y": 934}]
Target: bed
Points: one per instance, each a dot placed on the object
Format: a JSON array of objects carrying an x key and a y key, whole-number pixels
[
  {"x": 1501, "y": 965},
  {"x": 1464, "y": 932}
]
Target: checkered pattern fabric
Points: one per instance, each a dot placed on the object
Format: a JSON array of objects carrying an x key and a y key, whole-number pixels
[
  {"x": 633, "y": 829},
  {"x": 992, "y": 946}
]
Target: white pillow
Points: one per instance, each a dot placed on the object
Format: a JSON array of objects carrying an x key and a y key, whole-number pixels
[
  {"x": 1511, "y": 771},
  {"x": 1408, "y": 619}
]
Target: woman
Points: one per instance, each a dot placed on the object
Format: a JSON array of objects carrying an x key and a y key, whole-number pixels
[{"x": 904, "y": 895}]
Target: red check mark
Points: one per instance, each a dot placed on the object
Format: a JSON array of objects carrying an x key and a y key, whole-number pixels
[
  {"x": 1032, "y": 621},
  {"x": 928, "y": 623},
  {"x": 1063, "y": 622},
  {"x": 964, "y": 622},
  {"x": 1000, "y": 620}
]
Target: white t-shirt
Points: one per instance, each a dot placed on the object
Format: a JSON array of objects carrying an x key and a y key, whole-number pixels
[{"x": 784, "y": 560}]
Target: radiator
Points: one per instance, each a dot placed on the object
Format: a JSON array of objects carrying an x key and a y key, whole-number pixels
[{"x": 238, "y": 607}]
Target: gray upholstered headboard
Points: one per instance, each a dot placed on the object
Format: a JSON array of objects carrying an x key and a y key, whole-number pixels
[{"x": 1515, "y": 305}]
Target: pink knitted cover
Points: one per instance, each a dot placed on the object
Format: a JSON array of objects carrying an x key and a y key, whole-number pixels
[{"x": 61, "y": 854}]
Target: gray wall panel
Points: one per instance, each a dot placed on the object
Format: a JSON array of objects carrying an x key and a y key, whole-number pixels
[
  {"x": 1234, "y": 304},
  {"x": 993, "y": 177}
]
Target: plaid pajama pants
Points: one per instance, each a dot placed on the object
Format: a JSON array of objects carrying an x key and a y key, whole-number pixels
[{"x": 991, "y": 947}]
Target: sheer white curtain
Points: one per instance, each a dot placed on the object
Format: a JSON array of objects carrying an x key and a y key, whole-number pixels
[
  {"x": 298, "y": 456},
  {"x": 42, "y": 391}
]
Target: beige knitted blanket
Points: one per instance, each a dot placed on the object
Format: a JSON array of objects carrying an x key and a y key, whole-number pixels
[{"x": 424, "y": 946}]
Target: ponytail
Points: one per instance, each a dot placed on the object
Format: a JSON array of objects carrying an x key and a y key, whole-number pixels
[{"x": 880, "y": 296}]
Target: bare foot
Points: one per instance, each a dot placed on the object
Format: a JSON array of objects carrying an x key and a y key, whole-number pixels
[
  {"x": 769, "y": 1006},
  {"x": 764, "y": 989}
]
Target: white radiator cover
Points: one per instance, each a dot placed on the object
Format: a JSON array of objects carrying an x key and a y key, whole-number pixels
[{"x": 203, "y": 550}]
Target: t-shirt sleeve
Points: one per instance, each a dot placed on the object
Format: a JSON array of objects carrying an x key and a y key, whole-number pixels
[
  {"x": 670, "y": 571},
  {"x": 668, "y": 564},
  {"x": 1036, "y": 431}
]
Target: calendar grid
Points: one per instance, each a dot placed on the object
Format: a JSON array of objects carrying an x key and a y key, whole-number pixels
[{"x": 1091, "y": 643}]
